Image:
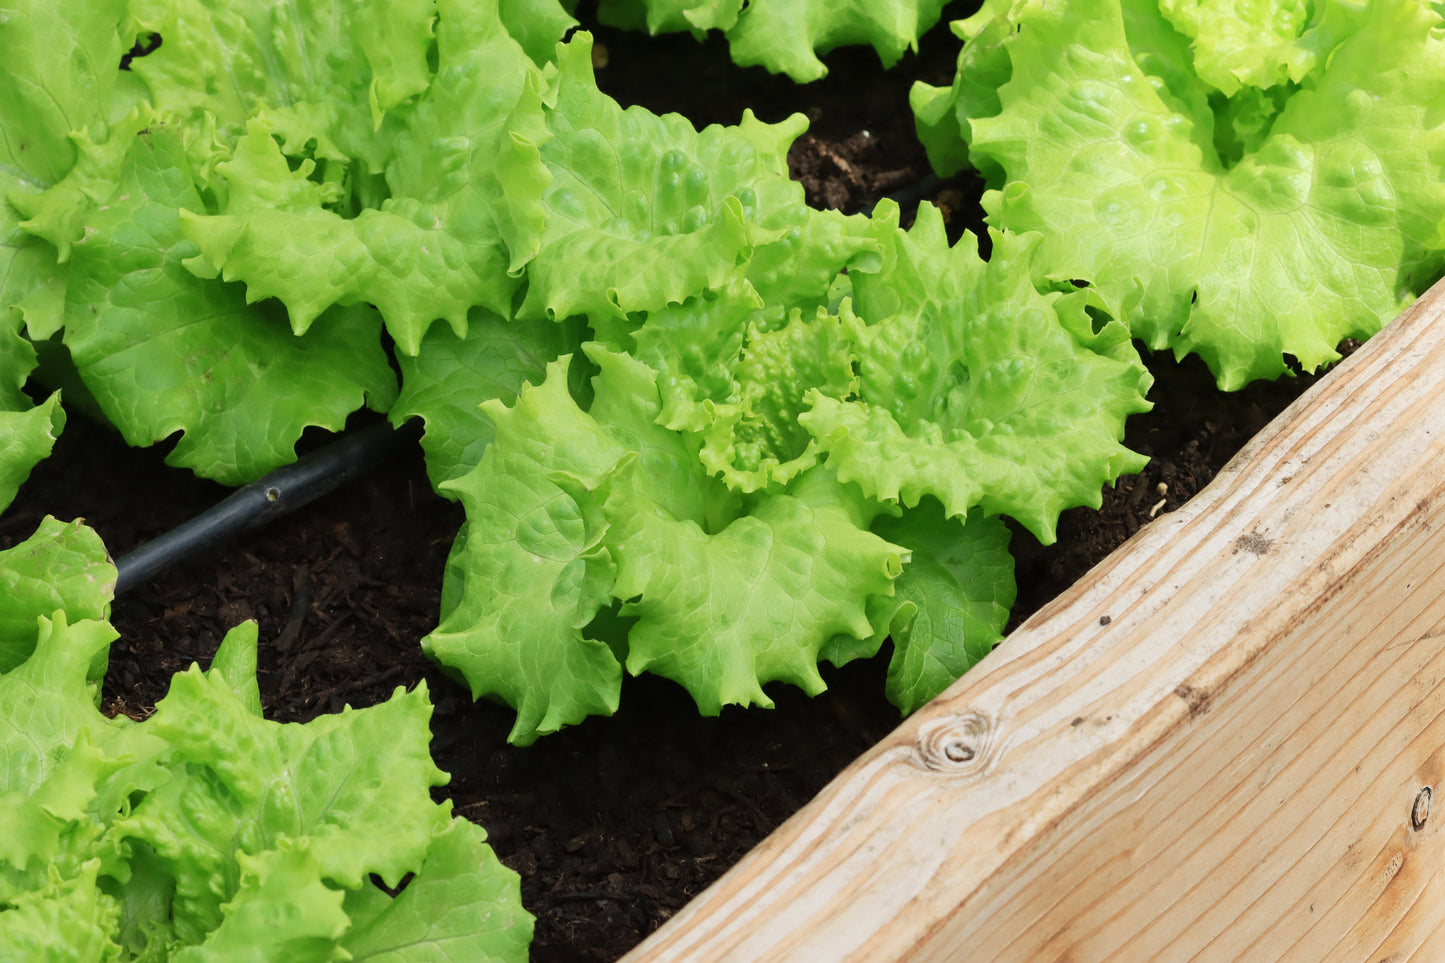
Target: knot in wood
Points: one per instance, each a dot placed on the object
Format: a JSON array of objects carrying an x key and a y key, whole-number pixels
[
  {"x": 956, "y": 744},
  {"x": 1420, "y": 811}
]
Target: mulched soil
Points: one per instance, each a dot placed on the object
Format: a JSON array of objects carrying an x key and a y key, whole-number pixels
[{"x": 616, "y": 823}]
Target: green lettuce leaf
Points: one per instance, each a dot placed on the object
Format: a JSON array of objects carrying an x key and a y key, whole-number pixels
[
  {"x": 1248, "y": 43},
  {"x": 669, "y": 16},
  {"x": 62, "y": 566},
  {"x": 734, "y": 365},
  {"x": 950, "y": 605},
  {"x": 528, "y": 572},
  {"x": 1243, "y": 229},
  {"x": 281, "y": 910},
  {"x": 59, "y": 79},
  {"x": 538, "y": 25},
  {"x": 208, "y": 833},
  {"x": 48, "y": 703},
  {"x": 644, "y": 211},
  {"x": 447, "y": 380},
  {"x": 164, "y": 351},
  {"x": 26, "y": 437},
  {"x": 942, "y": 114},
  {"x": 974, "y": 387},
  {"x": 438, "y": 916},
  {"x": 754, "y": 440},
  {"x": 354, "y": 786},
  {"x": 68, "y": 921},
  {"x": 322, "y": 74},
  {"x": 667, "y": 474},
  {"x": 58, "y": 86},
  {"x": 800, "y": 270},
  {"x": 32, "y": 281},
  {"x": 462, "y": 177},
  {"x": 568, "y": 510},
  {"x": 786, "y": 36},
  {"x": 724, "y": 613}
]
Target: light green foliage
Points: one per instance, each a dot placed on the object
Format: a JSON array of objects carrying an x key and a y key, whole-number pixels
[
  {"x": 773, "y": 587},
  {"x": 950, "y": 604},
  {"x": 59, "y": 77},
  {"x": 62, "y": 566},
  {"x": 208, "y": 833},
  {"x": 163, "y": 350},
  {"x": 528, "y": 572},
  {"x": 643, "y": 210},
  {"x": 720, "y": 513},
  {"x": 321, "y": 74},
  {"x": 976, "y": 389},
  {"x": 685, "y": 415},
  {"x": 787, "y": 36},
  {"x": 538, "y": 24},
  {"x": 447, "y": 380},
  {"x": 36, "y": 149},
  {"x": 462, "y": 179},
  {"x": 1256, "y": 43},
  {"x": 26, "y": 437},
  {"x": 1232, "y": 179}
]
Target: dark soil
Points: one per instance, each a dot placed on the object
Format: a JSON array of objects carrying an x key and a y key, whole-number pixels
[{"x": 616, "y": 823}]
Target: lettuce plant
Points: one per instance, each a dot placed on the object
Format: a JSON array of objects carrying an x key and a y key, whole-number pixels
[
  {"x": 206, "y": 832},
  {"x": 698, "y": 428},
  {"x": 784, "y": 36},
  {"x": 1240, "y": 181}
]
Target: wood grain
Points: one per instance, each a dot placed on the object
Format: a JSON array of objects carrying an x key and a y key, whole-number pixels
[{"x": 1225, "y": 769}]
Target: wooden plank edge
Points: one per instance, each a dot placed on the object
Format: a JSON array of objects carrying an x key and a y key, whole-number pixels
[{"x": 1212, "y": 747}]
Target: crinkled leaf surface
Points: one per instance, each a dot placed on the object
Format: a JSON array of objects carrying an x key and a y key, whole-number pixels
[
  {"x": 1246, "y": 42},
  {"x": 538, "y": 25},
  {"x": 57, "y": 81},
  {"x": 783, "y": 35},
  {"x": 974, "y": 387},
  {"x": 754, "y": 439},
  {"x": 786, "y": 36},
  {"x": 724, "y": 613},
  {"x": 26, "y": 437},
  {"x": 354, "y": 785},
  {"x": 62, "y": 566},
  {"x": 208, "y": 833},
  {"x": 666, "y": 16},
  {"x": 58, "y": 76},
  {"x": 951, "y": 603},
  {"x": 461, "y": 905},
  {"x": 644, "y": 211},
  {"x": 69, "y": 921},
  {"x": 30, "y": 279},
  {"x": 535, "y": 564},
  {"x": 798, "y": 271},
  {"x": 463, "y": 180},
  {"x": 529, "y": 571},
  {"x": 325, "y": 71},
  {"x": 668, "y": 474},
  {"x": 163, "y": 350},
  {"x": 48, "y": 702},
  {"x": 738, "y": 386},
  {"x": 446, "y": 382},
  {"x": 942, "y": 113},
  {"x": 1322, "y": 228},
  {"x": 281, "y": 910}
]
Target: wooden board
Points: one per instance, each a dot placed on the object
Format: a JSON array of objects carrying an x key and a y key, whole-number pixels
[{"x": 1219, "y": 745}]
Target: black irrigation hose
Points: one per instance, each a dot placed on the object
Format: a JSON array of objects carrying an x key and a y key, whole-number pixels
[
  {"x": 267, "y": 499},
  {"x": 319, "y": 473}
]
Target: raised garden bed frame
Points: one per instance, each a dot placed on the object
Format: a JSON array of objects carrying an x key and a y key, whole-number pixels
[{"x": 1221, "y": 744}]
